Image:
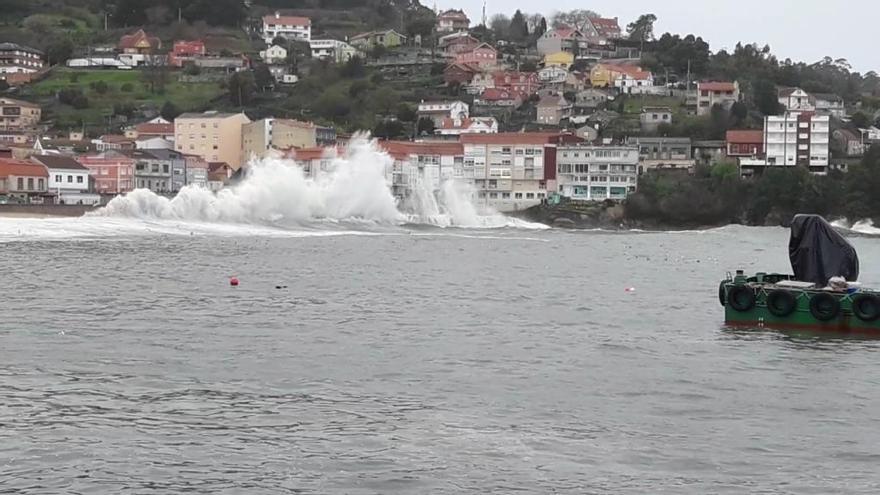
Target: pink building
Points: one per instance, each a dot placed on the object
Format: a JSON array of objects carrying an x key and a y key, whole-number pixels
[
  {"x": 526, "y": 83},
  {"x": 113, "y": 172},
  {"x": 184, "y": 51},
  {"x": 482, "y": 55}
]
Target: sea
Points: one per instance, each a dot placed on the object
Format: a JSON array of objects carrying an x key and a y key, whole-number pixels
[{"x": 387, "y": 355}]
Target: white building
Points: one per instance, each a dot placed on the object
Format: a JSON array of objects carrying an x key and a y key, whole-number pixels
[
  {"x": 596, "y": 173},
  {"x": 286, "y": 26},
  {"x": 794, "y": 139},
  {"x": 796, "y": 100},
  {"x": 154, "y": 143},
  {"x": 713, "y": 93},
  {"x": 552, "y": 75},
  {"x": 475, "y": 125},
  {"x": 68, "y": 179},
  {"x": 830, "y": 104},
  {"x": 335, "y": 50},
  {"x": 18, "y": 59},
  {"x": 636, "y": 82},
  {"x": 274, "y": 55},
  {"x": 439, "y": 110}
]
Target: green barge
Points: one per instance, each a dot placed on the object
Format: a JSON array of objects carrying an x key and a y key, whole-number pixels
[{"x": 823, "y": 293}]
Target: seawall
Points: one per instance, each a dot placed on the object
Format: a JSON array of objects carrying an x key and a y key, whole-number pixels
[{"x": 45, "y": 210}]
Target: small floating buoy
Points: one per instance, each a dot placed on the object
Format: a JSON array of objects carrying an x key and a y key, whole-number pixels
[
  {"x": 233, "y": 281},
  {"x": 630, "y": 289}
]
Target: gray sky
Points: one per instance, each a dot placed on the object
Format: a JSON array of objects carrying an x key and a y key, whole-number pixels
[{"x": 805, "y": 30}]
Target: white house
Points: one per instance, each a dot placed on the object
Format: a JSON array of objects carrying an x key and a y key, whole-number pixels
[
  {"x": 830, "y": 104},
  {"x": 439, "y": 110},
  {"x": 635, "y": 82},
  {"x": 154, "y": 143},
  {"x": 596, "y": 173},
  {"x": 335, "y": 50},
  {"x": 552, "y": 75},
  {"x": 474, "y": 125},
  {"x": 68, "y": 178},
  {"x": 796, "y": 99},
  {"x": 871, "y": 133},
  {"x": 274, "y": 54},
  {"x": 286, "y": 26}
]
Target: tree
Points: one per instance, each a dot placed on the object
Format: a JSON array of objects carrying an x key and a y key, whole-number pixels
[
  {"x": 860, "y": 120},
  {"x": 99, "y": 87},
  {"x": 358, "y": 88},
  {"x": 191, "y": 69},
  {"x": 540, "y": 28},
  {"x": 499, "y": 24},
  {"x": 642, "y": 29},
  {"x": 406, "y": 113},
  {"x": 519, "y": 28},
  {"x": 574, "y": 18},
  {"x": 766, "y": 97},
  {"x": 528, "y": 66},
  {"x": 388, "y": 129},
  {"x": 241, "y": 88},
  {"x": 155, "y": 73},
  {"x": 425, "y": 126},
  {"x": 353, "y": 68},
  {"x": 169, "y": 111},
  {"x": 263, "y": 77},
  {"x": 59, "y": 51}
]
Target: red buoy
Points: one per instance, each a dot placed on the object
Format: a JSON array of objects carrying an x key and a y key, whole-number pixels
[{"x": 233, "y": 281}]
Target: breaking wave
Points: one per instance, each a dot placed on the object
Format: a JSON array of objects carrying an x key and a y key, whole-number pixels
[
  {"x": 863, "y": 227},
  {"x": 355, "y": 188}
]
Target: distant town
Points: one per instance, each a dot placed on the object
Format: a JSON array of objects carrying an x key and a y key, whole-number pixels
[{"x": 526, "y": 110}]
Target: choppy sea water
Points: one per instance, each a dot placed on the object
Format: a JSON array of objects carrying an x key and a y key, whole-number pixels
[{"x": 414, "y": 360}]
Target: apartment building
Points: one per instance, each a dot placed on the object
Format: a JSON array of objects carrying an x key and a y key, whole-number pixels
[
  {"x": 214, "y": 136},
  {"x": 596, "y": 173},
  {"x": 112, "y": 172},
  {"x": 260, "y": 137},
  {"x": 663, "y": 152},
  {"x": 18, "y": 63},
  {"x": 510, "y": 171},
  {"x": 794, "y": 139}
]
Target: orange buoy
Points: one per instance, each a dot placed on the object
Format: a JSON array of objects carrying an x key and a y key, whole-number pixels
[{"x": 233, "y": 281}]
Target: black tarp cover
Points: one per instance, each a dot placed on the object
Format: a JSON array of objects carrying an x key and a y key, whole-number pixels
[{"x": 818, "y": 252}]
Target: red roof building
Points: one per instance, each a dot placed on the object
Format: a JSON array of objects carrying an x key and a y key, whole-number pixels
[
  {"x": 452, "y": 20},
  {"x": 113, "y": 172},
  {"x": 459, "y": 73},
  {"x": 745, "y": 143},
  {"x": 139, "y": 42},
  {"x": 185, "y": 51},
  {"x": 481, "y": 55},
  {"x": 148, "y": 130},
  {"x": 607, "y": 28},
  {"x": 526, "y": 83},
  {"x": 23, "y": 180},
  {"x": 500, "y": 97}
]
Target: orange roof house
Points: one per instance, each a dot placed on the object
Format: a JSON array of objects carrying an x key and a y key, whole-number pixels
[{"x": 139, "y": 42}]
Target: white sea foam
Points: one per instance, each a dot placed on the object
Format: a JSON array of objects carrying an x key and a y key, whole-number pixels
[
  {"x": 277, "y": 198},
  {"x": 354, "y": 189}
]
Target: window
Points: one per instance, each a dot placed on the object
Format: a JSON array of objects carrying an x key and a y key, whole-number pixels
[
  {"x": 519, "y": 195},
  {"x": 79, "y": 179},
  {"x": 20, "y": 184},
  {"x": 530, "y": 195},
  {"x": 493, "y": 195},
  {"x": 505, "y": 195},
  {"x": 30, "y": 184},
  {"x": 69, "y": 179}
]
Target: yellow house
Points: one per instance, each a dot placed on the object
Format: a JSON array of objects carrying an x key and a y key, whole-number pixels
[
  {"x": 388, "y": 39},
  {"x": 559, "y": 59}
]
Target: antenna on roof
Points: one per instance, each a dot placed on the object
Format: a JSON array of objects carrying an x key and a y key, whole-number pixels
[{"x": 484, "y": 13}]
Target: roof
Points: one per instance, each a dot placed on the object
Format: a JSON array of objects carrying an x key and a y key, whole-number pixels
[
  {"x": 656, "y": 109},
  {"x": 157, "y": 129},
  {"x": 115, "y": 139},
  {"x": 10, "y": 166},
  {"x": 566, "y": 32},
  {"x": 605, "y": 25},
  {"x": 286, "y": 20},
  {"x": 21, "y": 103},
  {"x": 716, "y": 86},
  {"x": 136, "y": 40},
  {"x": 449, "y": 123},
  {"x": 495, "y": 94},
  {"x": 745, "y": 137},
  {"x": 510, "y": 138},
  {"x": 58, "y": 161},
  {"x": 784, "y": 92},
  {"x": 205, "y": 115},
  {"x": 454, "y": 15},
  {"x": 373, "y": 33},
  {"x": 164, "y": 154},
  {"x": 848, "y": 135},
  {"x": 553, "y": 101},
  {"x": 482, "y": 45},
  {"x": 633, "y": 71},
  {"x": 294, "y": 123},
  {"x": 15, "y": 46},
  {"x": 402, "y": 149}
]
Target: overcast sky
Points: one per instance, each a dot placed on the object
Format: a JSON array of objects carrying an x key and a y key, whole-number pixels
[{"x": 804, "y": 30}]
